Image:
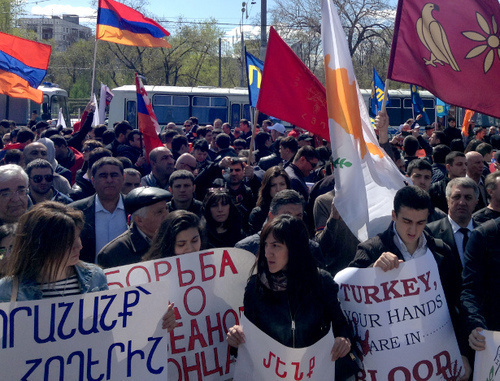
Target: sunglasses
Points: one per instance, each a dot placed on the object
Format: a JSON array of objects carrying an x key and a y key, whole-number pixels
[{"x": 38, "y": 178}]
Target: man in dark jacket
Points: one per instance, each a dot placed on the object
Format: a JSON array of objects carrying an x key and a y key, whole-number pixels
[
  {"x": 480, "y": 293},
  {"x": 148, "y": 207},
  {"x": 406, "y": 239}
]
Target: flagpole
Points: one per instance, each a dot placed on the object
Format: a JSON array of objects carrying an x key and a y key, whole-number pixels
[
  {"x": 252, "y": 140},
  {"x": 93, "y": 69},
  {"x": 386, "y": 91}
]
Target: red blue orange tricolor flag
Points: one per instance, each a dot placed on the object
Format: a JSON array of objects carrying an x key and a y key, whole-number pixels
[
  {"x": 123, "y": 25},
  {"x": 146, "y": 118},
  {"x": 21, "y": 73},
  {"x": 366, "y": 179},
  {"x": 450, "y": 48}
]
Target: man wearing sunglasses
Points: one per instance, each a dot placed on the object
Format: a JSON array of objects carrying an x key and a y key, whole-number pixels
[
  {"x": 304, "y": 162},
  {"x": 41, "y": 178}
]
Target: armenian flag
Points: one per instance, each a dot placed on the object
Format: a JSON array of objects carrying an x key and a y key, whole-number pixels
[
  {"x": 21, "y": 73},
  {"x": 146, "y": 118},
  {"x": 123, "y": 25}
]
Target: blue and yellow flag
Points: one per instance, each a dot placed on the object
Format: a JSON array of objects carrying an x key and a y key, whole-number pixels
[
  {"x": 254, "y": 75},
  {"x": 418, "y": 104},
  {"x": 442, "y": 108},
  {"x": 377, "y": 94}
]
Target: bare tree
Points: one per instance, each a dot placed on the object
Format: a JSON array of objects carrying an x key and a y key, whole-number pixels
[{"x": 367, "y": 24}]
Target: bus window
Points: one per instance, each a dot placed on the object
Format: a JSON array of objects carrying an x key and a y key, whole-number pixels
[
  {"x": 207, "y": 109},
  {"x": 57, "y": 102},
  {"x": 171, "y": 108},
  {"x": 131, "y": 112},
  {"x": 246, "y": 112},
  {"x": 235, "y": 115}
]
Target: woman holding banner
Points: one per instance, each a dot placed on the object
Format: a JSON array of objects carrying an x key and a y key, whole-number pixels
[
  {"x": 41, "y": 266},
  {"x": 180, "y": 233},
  {"x": 289, "y": 298},
  {"x": 45, "y": 261}
]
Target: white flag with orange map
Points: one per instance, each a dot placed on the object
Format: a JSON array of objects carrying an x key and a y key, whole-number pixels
[{"x": 366, "y": 179}]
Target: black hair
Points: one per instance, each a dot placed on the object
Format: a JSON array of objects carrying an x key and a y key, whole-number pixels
[
  {"x": 410, "y": 145},
  {"x": 412, "y": 197},
  {"x": 301, "y": 269},
  {"x": 201, "y": 144},
  {"x": 439, "y": 153},
  {"x": 24, "y": 135},
  {"x": 450, "y": 158},
  {"x": 223, "y": 141},
  {"x": 178, "y": 141},
  {"x": 420, "y": 164},
  {"x": 122, "y": 128}
]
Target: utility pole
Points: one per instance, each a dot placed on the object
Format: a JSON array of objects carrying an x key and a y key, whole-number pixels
[
  {"x": 263, "y": 30},
  {"x": 242, "y": 78}
]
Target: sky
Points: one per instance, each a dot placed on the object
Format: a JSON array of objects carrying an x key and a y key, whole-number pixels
[{"x": 227, "y": 12}]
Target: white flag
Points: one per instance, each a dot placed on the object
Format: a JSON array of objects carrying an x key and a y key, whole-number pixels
[
  {"x": 96, "y": 121},
  {"x": 60, "y": 119},
  {"x": 366, "y": 179},
  {"x": 104, "y": 99}
]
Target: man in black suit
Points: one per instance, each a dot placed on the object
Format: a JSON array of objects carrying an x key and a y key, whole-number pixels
[
  {"x": 104, "y": 212},
  {"x": 462, "y": 195}
]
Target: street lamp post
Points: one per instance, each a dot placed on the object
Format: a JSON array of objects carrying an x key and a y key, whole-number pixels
[{"x": 242, "y": 80}]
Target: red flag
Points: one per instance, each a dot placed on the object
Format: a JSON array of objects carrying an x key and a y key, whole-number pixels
[
  {"x": 290, "y": 91},
  {"x": 449, "y": 48},
  {"x": 146, "y": 118}
]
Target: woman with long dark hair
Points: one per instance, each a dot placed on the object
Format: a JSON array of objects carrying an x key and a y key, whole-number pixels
[
  {"x": 289, "y": 298},
  {"x": 180, "y": 233},
  {"x": 275, "y": 179},
  {"x": 223, "y": 219}
]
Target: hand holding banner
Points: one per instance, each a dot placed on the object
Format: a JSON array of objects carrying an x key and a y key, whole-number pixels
[
  {"x": 113, "y": 335},
  {"x": 487, "y": 362},
  {"x": 263, "y": 358},
  {"x": 401, "y": 321},
  {"x": 207, "y": 290}
]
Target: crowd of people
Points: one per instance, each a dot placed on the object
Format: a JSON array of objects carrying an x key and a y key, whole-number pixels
[{"x": 109, "y": 203}]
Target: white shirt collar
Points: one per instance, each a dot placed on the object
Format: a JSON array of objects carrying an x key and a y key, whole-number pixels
[
  {"x": 100, "y": 208},
  {"x": 456, "y": 227}
]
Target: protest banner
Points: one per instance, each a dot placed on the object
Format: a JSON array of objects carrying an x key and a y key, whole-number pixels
[
  {"x": 112, "y": 335},
  {"x": 207, "y": 289},
  {"x": 487, "y": 362},
  {"x": 401, "y": 321},
  {"x": 263, "y": 358}
]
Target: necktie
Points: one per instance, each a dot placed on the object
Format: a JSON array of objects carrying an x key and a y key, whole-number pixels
[{"x": 465, "y": 232}]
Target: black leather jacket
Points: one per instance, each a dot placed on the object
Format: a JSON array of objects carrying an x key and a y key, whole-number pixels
[{"x": 296, "y": 323}]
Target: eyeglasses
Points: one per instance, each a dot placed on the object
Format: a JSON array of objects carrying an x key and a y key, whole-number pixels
[
  {"x": 8, "y": 194},
  {"x": 38, "y": 178},
  {"x": 218, "y": 190},
  {"x": 313, "y": 165}
]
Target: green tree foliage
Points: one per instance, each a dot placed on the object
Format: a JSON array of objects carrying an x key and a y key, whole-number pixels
[{"x": 193, "y": 60}]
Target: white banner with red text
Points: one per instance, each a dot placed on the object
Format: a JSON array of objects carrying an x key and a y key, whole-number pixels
[
  {"x": 401, "y": 322},
  {"x": 263, "y": 358},
  {"x": 108, "y": 335},
  {"x": 207, "y": 289},
  {"x": 487, "y": 362}
]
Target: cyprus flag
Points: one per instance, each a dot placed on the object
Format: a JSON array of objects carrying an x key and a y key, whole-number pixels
[{"x": 366, "y": 179}]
